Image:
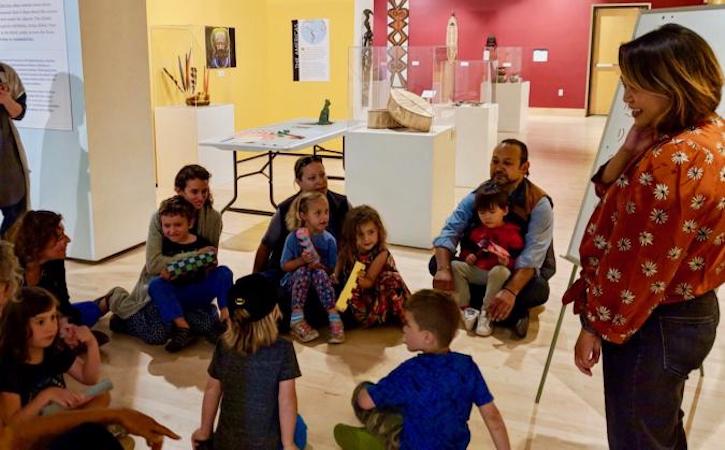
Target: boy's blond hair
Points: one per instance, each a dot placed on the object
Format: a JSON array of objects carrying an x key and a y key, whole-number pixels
[
  {"x": 247, "y": 337},
  {"x": 437, "y": 312}
]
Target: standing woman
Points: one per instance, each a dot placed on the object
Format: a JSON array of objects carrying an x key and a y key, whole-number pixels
[
  {"x": 14, "y": 192},
  {"x": 653, "y": 252}
]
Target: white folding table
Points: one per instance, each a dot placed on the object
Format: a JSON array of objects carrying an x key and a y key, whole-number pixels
[{"x": 274, "y": 140}]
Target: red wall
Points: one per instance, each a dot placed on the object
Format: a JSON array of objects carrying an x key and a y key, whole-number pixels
[{"x": 561, "y": 26}]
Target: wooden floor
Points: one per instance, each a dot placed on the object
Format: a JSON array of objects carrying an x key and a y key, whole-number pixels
[{"x": 571, "y": 413}]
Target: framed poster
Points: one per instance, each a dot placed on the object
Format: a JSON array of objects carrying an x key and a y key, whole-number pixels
[
  {"x": 311, "y": 50},
  {"x": 220, "y": 47}
]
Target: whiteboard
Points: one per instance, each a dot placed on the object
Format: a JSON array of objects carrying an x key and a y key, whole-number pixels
[{"x": 705, "y": 21}]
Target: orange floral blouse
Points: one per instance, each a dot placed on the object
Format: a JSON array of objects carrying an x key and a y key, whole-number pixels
[{"x": 656, "y": 235}]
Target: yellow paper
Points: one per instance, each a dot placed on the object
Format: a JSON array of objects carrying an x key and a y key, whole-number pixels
[{"x": 349, "y": 286}]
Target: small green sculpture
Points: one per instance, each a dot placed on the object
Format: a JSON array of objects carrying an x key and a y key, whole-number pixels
[{"x": 325, "y": 114}]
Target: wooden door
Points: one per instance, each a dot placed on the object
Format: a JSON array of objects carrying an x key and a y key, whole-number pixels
[{"x": 612, "y": 26}]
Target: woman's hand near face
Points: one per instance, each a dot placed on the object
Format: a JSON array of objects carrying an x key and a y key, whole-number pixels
[{"x": 638, "y": 140}]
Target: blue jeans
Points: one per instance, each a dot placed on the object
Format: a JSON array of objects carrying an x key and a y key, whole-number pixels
[
  {"x": 89, "y": 312},
  {"x": 172, "y": 299},
  {"x": 644, "y": 378},
  {"x": 11, "y": 214}
]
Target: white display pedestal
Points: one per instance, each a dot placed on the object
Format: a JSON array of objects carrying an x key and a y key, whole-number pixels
[
  {"x": 407, "y": 177},
  {"x": 513, "y": 104},
  {"x": 476, "y": 136},
  {"x": 179, "y": 129}
]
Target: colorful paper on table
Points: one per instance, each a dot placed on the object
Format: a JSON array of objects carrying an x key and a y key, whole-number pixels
[{"x": 346, "y": 293}]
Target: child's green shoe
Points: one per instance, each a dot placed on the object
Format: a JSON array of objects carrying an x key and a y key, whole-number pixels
[{"x": 356, "y": 438}]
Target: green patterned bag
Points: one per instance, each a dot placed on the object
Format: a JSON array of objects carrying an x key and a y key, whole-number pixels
[{"x": 191, "y": 266}]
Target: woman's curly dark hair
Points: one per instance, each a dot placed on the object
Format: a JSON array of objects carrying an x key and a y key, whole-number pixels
[{"x": 32, "y": 233}]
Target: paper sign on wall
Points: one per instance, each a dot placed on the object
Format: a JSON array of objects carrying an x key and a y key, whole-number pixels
[
  {"x": 311, "y": 50},
  {"x": 541, "y": 55},
  {"x": 33, "y": 42}
]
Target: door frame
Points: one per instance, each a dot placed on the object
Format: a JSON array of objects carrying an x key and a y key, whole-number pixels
[{"x": 592, "y": 22}]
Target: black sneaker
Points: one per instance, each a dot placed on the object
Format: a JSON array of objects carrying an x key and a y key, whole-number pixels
[
  {"x": 522, "y": 326},
  {"x": 180, "y": 339},
  {"x": 117, "y": 325},
  {"x": 213, "y": 335}
]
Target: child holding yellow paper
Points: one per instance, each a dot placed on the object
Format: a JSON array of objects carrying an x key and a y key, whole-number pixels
[{"x": 380, "y": 292}]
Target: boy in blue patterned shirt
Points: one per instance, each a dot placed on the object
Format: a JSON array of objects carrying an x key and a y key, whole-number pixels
[{"x": 425, "y": 402}]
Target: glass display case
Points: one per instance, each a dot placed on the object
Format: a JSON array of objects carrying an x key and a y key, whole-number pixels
[
  {"x": 472, "y": 82},
  {"x": 507, "y": 65},
  {"x": 373, "y": 71},
  {"x": 425, "y": 71}
]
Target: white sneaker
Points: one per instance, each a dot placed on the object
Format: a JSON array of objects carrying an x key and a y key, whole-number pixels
[
  {"x": 470, "y": 315},
  {"x": 484, "y": 327}
]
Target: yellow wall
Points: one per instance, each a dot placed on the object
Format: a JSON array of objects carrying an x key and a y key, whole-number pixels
[
  {"x": 261, "y": 85},
  {"x": 244, "y": 86},
  {"x": 288, "y": 99}
]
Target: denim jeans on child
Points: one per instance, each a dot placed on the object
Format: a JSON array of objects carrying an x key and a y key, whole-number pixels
[
  {"x": 89, "y": 312},
  {"x": 173, "y": 299},
  {"x": 644, "y": 378}
]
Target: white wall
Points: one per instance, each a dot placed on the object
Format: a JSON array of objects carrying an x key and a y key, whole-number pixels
[{"x": 99, "y": 175}]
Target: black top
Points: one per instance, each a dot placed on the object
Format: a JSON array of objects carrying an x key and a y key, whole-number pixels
[
  {"x": 249, "y": 412},
  {"x": 28, "y": 380},
  {"x": 52, "y": 278},
  {"x": 170, "y": 248}
]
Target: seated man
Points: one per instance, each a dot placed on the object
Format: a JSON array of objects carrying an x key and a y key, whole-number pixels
[{"x": 530, "y": 208}]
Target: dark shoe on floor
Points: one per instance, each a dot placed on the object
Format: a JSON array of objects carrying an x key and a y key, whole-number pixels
[
  {"x": 117, "y": 324},
  {"x": 522, "y": 327},
  {"x": 180, "y": 339},
  {"x": 213, "y": 335},
  {"x": 356, "y": 438},
  {"x": 101, "y": 337}
]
